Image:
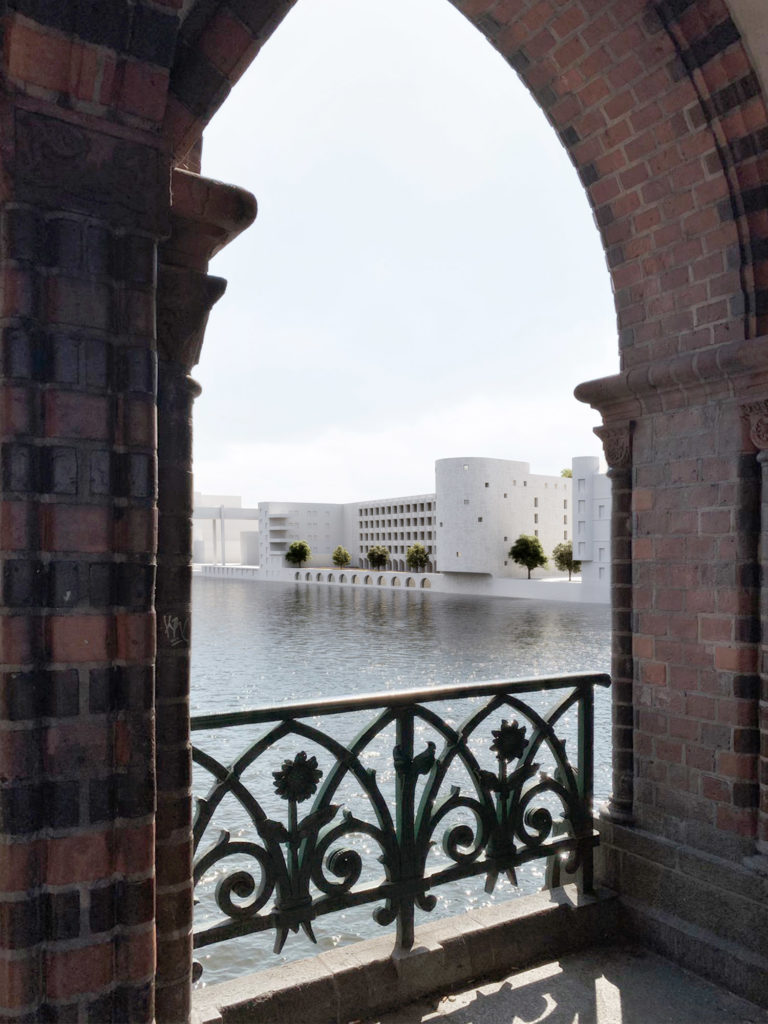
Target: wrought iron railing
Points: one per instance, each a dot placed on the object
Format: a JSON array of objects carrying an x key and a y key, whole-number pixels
[{"x": 316, "y": 806}]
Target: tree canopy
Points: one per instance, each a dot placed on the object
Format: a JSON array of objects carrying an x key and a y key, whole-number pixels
[
  {"x": 416, "y": 557},
  {"x": 341, "y": 556},
  {"x": 527, "y": 551},
  {"x": 567, "y": 473},
  {"x": 563, "y": 558},
  {"x": 378, "y": 556},
  {"x": 299, "y": 551}
]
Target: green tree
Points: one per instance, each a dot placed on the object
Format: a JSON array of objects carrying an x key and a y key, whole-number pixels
[
  {"x": 568, "y": 473},
  {"x": 299, "y": 551},
  {"x": 341, "y": 556},
  {"x": 564, "y": 560},
  {"x": 378, "y": 556},
  {"x": 528, "y": 551},
  {"x": 416, "y": 557}
]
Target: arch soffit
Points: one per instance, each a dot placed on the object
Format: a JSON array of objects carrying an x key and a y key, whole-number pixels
[{"x": 661, "y": 112}]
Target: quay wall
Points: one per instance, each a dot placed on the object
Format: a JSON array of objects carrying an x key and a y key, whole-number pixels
[{"x": 469, "y": 584}]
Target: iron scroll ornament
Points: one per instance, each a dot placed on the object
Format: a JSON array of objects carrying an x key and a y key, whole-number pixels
[{"x": 308, "y": 861}]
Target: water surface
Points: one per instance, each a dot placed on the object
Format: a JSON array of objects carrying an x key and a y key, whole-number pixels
[{"x": 266, "y": 643}]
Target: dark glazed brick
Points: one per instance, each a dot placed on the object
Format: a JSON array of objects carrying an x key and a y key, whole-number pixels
[
  {"x": 25, "y": 352},
  {"x": 61, "y": 694},
  {"x": 23, "y": 583},
  {"x": 153, "y": 36},
  {"x": 25, "y": 235},
  {"x": 733, "y": 95},
  {"x": 197, "y": 84},
  {"x": 518, "y": 61},
  {"x": 21, "y": 809},
  {"x": 62, "y": 915},
  {"x": 103, "y": 911},
  {"x": 710, "y": 45},
  {"x": 135, "y": 902},
  {"x": 101, "y": 800},
  {"x": 58, "y": 471},
  {"x": 106, "y": 24},
  {"x": 129, "y": 688},
  {"x": 255, "y": 14},
  {"x": 135, "y": 259},
  {"x": 746, "y": 794},
  {"x": 65, "y": 357},
  {"x": 122, "y": 1006},
  {"x": 135, "y": 795},
  {"x": 136, "y": 370},
  {"x": 20, "y": 467},
  {"x": 134, "y": 585},
  {"x": 671, "y": 10},
  {"x": 65, "y": 588},
  {"x": 100, "y": 691},
  {"x": 20, "y": 695},
  {"x": 64, "y": 243},
  {"x": 48, "y": 12},
  {"x": 746, "y": 687},
  {"x": 97, "y": 369},
  {"x": 62, "y": 804},
  {"x": 21, "y": 923},
  {"x": 100, "y": 472},
  {"x": 98, "y": 251},
  {"x": 100, "y": 588}
]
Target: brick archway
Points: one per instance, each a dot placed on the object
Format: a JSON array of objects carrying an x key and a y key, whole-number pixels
[{"x": 663, "y": 114}]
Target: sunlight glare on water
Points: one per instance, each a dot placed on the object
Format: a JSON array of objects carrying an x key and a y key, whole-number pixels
[{"x": 256, "y": 644}]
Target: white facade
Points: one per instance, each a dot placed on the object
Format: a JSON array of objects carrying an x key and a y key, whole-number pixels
[
  {"x": 467, "y": 525},
  {"x": 223, "y": 532},
  {"x": 395, "y": 523},
  {"x": 592, "y": 520},
  {"x": 485, "y": 504},
  {"x": 321, "y": 525}
]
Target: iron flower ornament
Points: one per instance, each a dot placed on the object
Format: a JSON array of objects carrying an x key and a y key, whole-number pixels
[
  {"x": 297, "y": 779},
  {"x": 509, "y": 741}
]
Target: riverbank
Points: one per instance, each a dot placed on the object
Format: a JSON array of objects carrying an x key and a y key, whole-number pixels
[{"x": 464, "y": 584}]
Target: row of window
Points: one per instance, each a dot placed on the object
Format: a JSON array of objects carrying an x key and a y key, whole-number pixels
[
  {"x": 415, "y": 535},
  {"x": 370, "y": 524},
  {"x": 388, "y": 510}
]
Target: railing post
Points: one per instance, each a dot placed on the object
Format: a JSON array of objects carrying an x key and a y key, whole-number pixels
[
  {"x": 586, "y": 758},
  {"x": 404, "y": 797}
]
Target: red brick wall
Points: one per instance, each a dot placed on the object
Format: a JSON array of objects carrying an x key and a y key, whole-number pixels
[{"x": 664, "y": 120}]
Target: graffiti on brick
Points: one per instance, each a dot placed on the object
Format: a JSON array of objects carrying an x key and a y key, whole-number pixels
[{"x": 176, "y": 630}]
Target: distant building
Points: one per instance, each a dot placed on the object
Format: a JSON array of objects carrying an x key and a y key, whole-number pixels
[
  {"x": 223, "y": 532},
  {"x": 467, "y": 525}
]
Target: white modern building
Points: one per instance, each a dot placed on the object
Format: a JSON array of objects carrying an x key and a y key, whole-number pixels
[
  {"x": 223, "y": 532},
  {"x": 485, "y": 504},
  {"x": 592, "y": 520},
  {"x": 467, "y": 524}
]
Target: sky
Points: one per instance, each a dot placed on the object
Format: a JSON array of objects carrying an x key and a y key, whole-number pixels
[{"x": 424, "y": 279}]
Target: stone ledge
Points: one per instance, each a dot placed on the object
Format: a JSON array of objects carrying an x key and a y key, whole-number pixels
[
  {"x": 708, "y": 913},
  {"x": 367, "y": 978}
]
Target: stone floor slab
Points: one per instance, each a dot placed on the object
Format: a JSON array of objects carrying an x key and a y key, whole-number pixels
[{"x": 621, "y": 985}]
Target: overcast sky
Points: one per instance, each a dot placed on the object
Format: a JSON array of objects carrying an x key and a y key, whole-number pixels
[{"x": 424, "y": 279}]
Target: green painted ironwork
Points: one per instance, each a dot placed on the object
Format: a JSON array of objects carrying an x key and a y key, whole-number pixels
[{"x": 494, "y": 820}]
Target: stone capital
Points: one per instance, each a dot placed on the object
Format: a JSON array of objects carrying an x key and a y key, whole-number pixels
[
  {"x": 617, "y": 445},
  {"x": 756, "y": 416}
]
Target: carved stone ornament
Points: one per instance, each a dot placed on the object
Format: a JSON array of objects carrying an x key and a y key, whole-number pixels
[
  {"x": 66, "y": 166},
  {"x": 184, "y": 300},
  {"x": 616, "y": 445},
  {"x": 756, "y": 415}
]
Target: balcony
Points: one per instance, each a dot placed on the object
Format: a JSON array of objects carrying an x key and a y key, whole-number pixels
[{"x": 301, "y": 814}]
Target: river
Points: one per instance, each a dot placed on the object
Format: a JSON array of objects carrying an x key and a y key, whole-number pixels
[{"x": 266, "y": 643}]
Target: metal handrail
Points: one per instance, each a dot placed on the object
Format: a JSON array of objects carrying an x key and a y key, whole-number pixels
[{"x": 308, "y": 862}]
